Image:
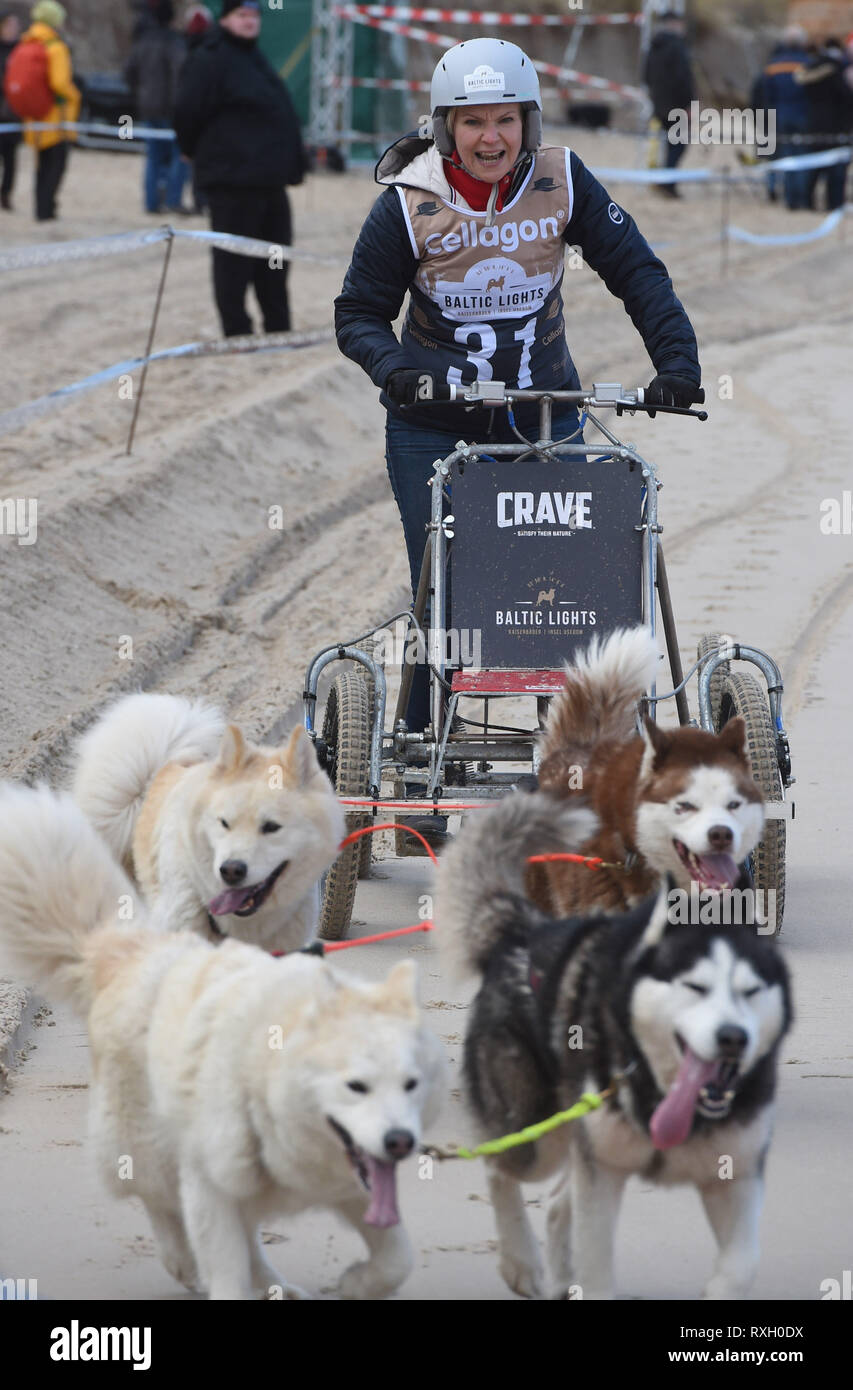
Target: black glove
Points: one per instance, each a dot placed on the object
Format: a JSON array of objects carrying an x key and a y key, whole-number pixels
[
  {"x": 672, "y": 390},
  {"x": 409, "y": 386}
]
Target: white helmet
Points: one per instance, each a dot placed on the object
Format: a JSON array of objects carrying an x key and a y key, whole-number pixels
[{"x": 486, "y": 72}]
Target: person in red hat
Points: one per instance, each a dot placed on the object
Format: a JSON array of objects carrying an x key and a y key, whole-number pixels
[{"x": 198, "y": 21}]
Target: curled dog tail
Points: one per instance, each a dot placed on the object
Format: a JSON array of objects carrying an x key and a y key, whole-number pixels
[
  {"x": 480, "y": 880},
  {"x": 58, "y": 882},
  {"x": 602, "y": 687},
  {"x": 118, "y": 758}
]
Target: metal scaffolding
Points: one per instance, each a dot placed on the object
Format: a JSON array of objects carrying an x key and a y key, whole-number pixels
[{"x": 331, "y": 75}]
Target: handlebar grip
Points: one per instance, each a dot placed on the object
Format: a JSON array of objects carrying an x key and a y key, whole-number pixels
[
  {"x": 444, "y": 392},
  {"x": 641, "y": 400}
]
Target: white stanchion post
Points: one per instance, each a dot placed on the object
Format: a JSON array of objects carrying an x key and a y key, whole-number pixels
[{"x": 137, "y": 403}]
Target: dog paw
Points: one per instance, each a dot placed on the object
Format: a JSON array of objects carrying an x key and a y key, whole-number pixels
[
  {"x": 523, "y": 1279},
  {"x": 184, "y": 1270},
  {"x": 360, "y": 1282}
]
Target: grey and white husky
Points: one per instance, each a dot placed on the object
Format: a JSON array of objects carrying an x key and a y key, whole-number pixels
[{"x": 690, "y": 1016}]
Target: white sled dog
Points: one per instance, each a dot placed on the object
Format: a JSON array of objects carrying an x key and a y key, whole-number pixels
[
  {"x": 241, "y": 1085},
  {"x": 227, "y": 838}
]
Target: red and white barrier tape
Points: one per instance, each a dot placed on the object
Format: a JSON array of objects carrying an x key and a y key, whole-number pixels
[
  {"x": 409, "y": 31},
  {"x": 381, "y": 84},
  {"x": 490, "y": 17}
]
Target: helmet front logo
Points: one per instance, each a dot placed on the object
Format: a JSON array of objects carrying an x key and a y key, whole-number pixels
[{"x": 484, "y": 79}]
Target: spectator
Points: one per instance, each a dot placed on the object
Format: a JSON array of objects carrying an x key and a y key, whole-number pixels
[
  {"x": 777, "y": 90},
  {"x": 236, "y": 120},
  {"x": 51, "y": 146},
  {"x": 197, "y": 22},
  {"x": 152, "y": 73},
  {"x": 669, "y": 78},
  {"x": 10, "y": 29},
  {"x": 830, "y": 116}
]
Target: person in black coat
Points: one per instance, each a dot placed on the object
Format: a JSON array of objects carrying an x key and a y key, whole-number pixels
[
  {"x": 235, "y": 119},
  {"x": 197, "y": 22},
  {"x": 826, "y": 82},
  {"x": 669, "y": 78},
  {"x": 152, "y": 73},
  {"x": 777, "y": 90},
  {"x": 10, "y": 30}
]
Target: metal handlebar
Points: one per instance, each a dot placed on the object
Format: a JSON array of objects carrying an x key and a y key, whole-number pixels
[{"x": 604, "y": 395}]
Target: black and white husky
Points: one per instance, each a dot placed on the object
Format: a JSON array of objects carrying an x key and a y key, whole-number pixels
[{"x": 690, "y": 1016}]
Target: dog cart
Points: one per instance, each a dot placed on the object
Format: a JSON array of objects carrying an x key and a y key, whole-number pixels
[{"x": 544, "y": 543}]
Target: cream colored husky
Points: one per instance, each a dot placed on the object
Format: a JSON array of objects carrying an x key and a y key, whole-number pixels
[
  {"x": 226, "y": 1085},
  {"x": 221, "y": 835}
]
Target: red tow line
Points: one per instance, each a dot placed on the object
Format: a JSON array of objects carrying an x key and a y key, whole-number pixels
[{"x": 591, "y": 861}]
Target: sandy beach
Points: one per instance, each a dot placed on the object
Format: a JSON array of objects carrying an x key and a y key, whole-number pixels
[{"x": 171, "y": 548}]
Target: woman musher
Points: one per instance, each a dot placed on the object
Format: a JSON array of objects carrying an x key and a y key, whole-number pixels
[{"x": 474, "y": 226}]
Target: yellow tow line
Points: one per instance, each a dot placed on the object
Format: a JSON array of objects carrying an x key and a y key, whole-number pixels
[{"x": 588, "y": 1101}]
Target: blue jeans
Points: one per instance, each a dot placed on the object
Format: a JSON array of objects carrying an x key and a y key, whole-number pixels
[
  {"x": 796, "y": 183},
  {"x": 410, "y": 452},
  {"x": 165, "y": 172},
  {"x": 835, "y": 176}
]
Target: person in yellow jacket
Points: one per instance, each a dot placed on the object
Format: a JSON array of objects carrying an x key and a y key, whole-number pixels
[{"x": 51, "y": 146}]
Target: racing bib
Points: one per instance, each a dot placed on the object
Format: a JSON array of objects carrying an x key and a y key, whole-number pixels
[{"x": 486, "y": 301}]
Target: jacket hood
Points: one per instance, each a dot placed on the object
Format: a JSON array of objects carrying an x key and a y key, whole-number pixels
[
  {"x": 417, "y": 159},
  {"x": 40, "y": 31},
  {"x": 416, "y": 163}
]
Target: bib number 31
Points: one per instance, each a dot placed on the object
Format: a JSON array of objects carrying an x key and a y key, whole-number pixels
[{"x": 479, "y": 355}]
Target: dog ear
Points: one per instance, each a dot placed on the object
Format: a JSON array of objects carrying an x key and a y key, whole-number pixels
[
  {"x": 399, "y": 989},
  {"x": 733, "y": 736},
  {"x": 299, "y": 755},
  {"x": 232, "y": 749},
  {"x": 658, "y": 742}
]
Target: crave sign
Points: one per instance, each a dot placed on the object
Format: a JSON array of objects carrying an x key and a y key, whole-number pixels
[{"x": 545, "y": 556}]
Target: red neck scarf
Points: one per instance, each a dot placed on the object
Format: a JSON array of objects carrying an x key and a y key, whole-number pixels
[{"x": 475, "y": 191}]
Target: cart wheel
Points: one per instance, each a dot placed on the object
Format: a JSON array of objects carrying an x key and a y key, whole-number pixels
[
  {"x": 744, "y": 695},
  {"x": 371, "y": 647},
  {"x": 711, "y": 643},
  {"x": 346, "y": 732}
]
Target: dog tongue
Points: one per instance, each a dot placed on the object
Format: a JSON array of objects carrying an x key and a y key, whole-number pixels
[
  {"x": 383, "y": 1194},
  {"x": 672, "y": 1119},
  {"x": 717, "y": 870},
  {"x": 230, "y": 901}
]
